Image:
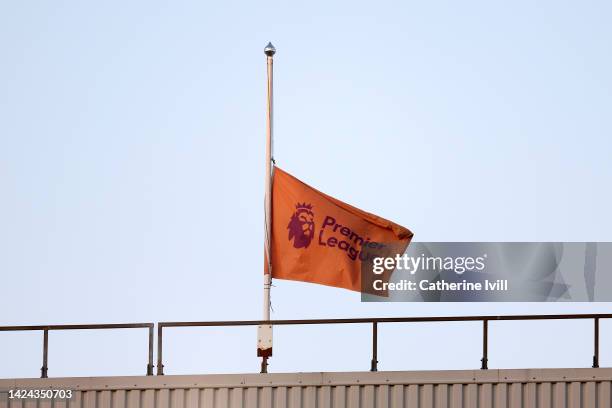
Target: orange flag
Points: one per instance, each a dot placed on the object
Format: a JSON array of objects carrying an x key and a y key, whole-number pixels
[{"x": 319, "y": 239}]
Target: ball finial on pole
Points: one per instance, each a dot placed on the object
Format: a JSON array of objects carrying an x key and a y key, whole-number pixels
[{"x": 269, "y": 50}]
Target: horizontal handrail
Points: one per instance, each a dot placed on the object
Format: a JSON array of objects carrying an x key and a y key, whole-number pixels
[
  {"x": 383, "y": 320},
  {"x": 375, "y": 321},
  {"x": 47, "y": 328},
  {"x": 79, "y": 326}
]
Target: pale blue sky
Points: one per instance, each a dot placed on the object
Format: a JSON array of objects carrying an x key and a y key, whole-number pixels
[{"x": 131, "y": 169}]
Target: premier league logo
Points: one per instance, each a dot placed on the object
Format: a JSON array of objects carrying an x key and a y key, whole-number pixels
[{"x": 301, "y": 227}]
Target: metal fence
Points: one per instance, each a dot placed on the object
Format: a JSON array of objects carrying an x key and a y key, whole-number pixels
[
  {"x": 46, "y": 329},
  {"x": 374, "y": 322}
]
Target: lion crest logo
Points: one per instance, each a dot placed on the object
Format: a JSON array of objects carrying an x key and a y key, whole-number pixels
[{"x": 301, "y": 226}]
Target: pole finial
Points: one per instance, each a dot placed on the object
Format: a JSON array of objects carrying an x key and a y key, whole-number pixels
[{"x": 269, "y": 50}]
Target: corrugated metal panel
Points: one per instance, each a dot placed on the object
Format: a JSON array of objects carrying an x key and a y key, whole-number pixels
[{"x": 547, "y": 388}]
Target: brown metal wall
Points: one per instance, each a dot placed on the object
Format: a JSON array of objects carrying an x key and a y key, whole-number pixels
[{"x": 558, "y": 388}]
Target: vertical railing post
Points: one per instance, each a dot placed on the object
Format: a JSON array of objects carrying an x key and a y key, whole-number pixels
[
  {"x": 485, "y": 345},
  {"x": 160, "y": 365},
  {"x": 596, "y": 341},
  {"x": 150, "y": 363},
  {"x": 374, "y": 366},
  {"x": 44, "y": 369}
]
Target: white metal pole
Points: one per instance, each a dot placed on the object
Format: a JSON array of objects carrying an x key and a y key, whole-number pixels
[
  {"x": 269, "y": 51},
  {"x": 265, "y": 331}
]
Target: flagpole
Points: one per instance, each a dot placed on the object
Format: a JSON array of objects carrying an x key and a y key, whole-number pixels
[
  {"x": 269, "y": 51},
  {"x": 265, "y": 333}
]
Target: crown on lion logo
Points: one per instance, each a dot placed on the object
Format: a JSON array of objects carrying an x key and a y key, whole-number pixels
[{"x": 303, "y": 206}]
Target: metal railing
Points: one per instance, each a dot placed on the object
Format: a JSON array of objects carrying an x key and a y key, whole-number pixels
[
  {"x": 375, "y": 321},
  {"x": 46, "y": 329}
]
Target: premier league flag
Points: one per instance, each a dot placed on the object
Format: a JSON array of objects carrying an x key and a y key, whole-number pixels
[{"x": 319, "y": 239}]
